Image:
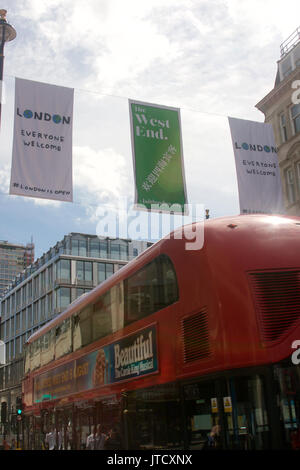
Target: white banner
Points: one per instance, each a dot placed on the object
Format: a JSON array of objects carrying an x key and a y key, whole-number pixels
[
  {"x": 257, "y": 167},
  {"x": 42, "y": 144}
]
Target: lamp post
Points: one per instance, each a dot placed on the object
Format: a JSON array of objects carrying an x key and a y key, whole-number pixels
[{"x": 7, "y": 33}]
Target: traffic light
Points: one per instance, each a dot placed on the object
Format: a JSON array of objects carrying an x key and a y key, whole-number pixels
[
  {"x": 3, "y": 412},
  {"x": 19, "y": 406}
]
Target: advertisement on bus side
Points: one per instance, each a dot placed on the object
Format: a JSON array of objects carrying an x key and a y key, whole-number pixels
[{"x": 131, "y": 357}]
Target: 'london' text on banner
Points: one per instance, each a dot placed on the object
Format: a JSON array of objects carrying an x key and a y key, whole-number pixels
[
  {"x": 257, "y": 167},
  {"x": 42, "y": 144}
]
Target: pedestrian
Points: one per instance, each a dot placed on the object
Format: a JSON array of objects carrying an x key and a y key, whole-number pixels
[
  {"x": 51, "y": 439},
  {"x": 60, "y": 440},
  {"x": 91, "y": 440},
  {"x": 112, "y": 441},
  {"x": 100, "y": 438},
  {"x": 13, "y": 445},
  {"x": 213, "y": 438}
]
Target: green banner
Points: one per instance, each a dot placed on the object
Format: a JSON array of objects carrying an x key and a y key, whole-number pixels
[{"x": 157, "y": 157}]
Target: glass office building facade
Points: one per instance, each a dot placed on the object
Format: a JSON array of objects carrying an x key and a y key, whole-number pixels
[
  {"x": 13, "y": 260},
  {"x": 43, "y": 290}
]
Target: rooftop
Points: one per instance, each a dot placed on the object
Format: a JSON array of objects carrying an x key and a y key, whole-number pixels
[
  {"x": 61, "y": 248},
  {"x": 290, "y": 56},
  {"x": 290, "y": 43}
]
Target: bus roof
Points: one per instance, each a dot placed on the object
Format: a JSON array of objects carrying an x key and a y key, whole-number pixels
[{"x": 244, "y": 222}]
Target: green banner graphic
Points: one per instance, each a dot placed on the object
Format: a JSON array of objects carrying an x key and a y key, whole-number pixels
[{"x": 157, "y": 157}]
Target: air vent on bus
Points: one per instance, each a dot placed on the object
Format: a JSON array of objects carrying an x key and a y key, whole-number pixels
[
  {"x": 277, "y": 300},
  {"x": 195, "y": 337}
]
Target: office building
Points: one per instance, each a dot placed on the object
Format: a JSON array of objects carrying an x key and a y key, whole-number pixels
[
  {"x": 72, "y": 267},
  {"x": 281, "y": 108},
  {"x": 13, "y": 260}
]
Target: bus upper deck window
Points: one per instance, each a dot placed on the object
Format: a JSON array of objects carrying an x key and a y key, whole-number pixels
[{"x": 150, "y": 289}]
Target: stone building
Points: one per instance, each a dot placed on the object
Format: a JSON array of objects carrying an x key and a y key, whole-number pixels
[{"x": 281, "y": 107}]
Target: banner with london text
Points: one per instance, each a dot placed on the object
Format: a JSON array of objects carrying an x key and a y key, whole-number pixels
[
  {"x": 257, "y": 167},
  {"x": 42, "y": 141},
  {"x": 157, "y": 158}
]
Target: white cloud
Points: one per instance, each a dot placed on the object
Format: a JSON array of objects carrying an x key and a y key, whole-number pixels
[
  {"x": 215, "y": 56},
  {"x": 100, "y": 177},
  {"x": 4, "y": 178},
  {"x": 165, "y": 49}
]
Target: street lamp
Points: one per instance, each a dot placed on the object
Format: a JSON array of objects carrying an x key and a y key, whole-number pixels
[{"x": 7, "y": 33}]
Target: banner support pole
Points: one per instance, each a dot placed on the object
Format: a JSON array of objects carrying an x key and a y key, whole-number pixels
[{"x": 7, "y": 33}]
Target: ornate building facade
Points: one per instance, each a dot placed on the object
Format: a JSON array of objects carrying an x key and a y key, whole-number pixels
[{"x": 281, "y": 107}]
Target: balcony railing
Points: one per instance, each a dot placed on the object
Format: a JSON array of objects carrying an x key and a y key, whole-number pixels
[{"x": 290, "y": 42}]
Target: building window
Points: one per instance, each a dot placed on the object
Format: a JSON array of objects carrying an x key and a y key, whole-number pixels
[
  {"x": 18, "y": 342},
  {"x": 29, "y": 317},
  {"x": 18, "y": 295},
  {"x": 35, "y": 313},
  {"x": 24, "y": 295},
  {"x": 12, "y": 327},
  {"x": 124, "y": 252},
  {"x": 286, "y": 67},
  {"x": 50, "y": 275},
  {"x": 119, "y": 250},
  {"x": 78, "y": 247},
  {"x": 298, "y": 175},
  {"x": 12, "y": 350},
  {"x": 4, "y": 313},
  {"x": 283, "y": 130},
  {"x": 80, "y": 291},
  {"x": 115, "y": 250},
  {"x": 49, "y": 304},
  {"x": 29, "y": 290},
  {"x": 94, "y": 248},
  {"x": 43, "y": 308},
  {"x": 105, "y": 270},
  {"x": 23, "y": 321},
  {"x": 290, "y": 186},
  {"x": 12, "y": 303},
  {"x": 18, "y": 323},
  {"x": 6, "y": 330},
  {"x": 103, "y": 248},
  {"x": 23, "y": 340},
  {"x": 84, "y": 271},
  {"x": 43, "y": 281},
  {"x": 295, "y": 115},
  {"x": 63, "y": 297},
  {"x": 36, "y": 287},
  {"x": 63, "y": 270}
]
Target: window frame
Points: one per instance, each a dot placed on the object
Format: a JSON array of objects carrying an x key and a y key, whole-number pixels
[
  {"x": 158, "y": 290},
  {"x": 82, "y": 324},
  {"x": 84, "y": 272},
  {"x": 290, "y": 185},
  {"x": 283, "y": 127},
  {"x": 295, "y": 119}
]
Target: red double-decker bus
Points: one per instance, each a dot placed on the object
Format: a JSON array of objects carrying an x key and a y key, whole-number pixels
[{"x": 180, "y": 349}]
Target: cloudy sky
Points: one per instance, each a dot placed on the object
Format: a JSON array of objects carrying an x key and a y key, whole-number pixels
[{"x": 210, "y": 58}]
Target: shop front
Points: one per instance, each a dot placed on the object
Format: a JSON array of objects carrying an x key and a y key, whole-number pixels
[{"x": 253, "y": 409}]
